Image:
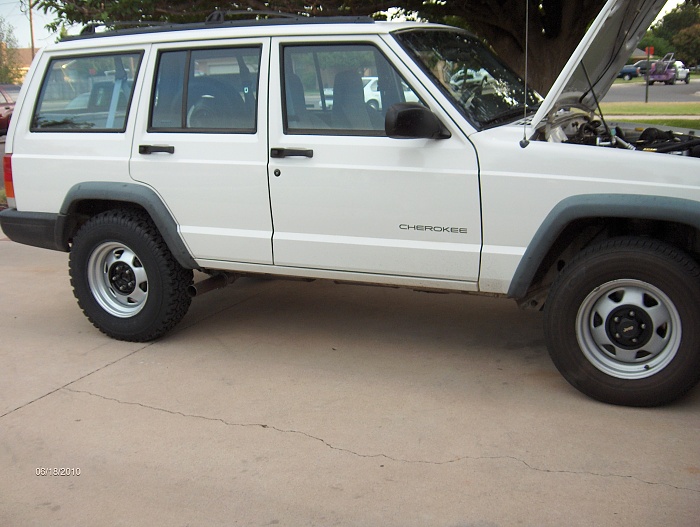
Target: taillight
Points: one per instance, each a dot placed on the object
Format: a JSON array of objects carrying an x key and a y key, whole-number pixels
[{"x": 9, "y": 186}]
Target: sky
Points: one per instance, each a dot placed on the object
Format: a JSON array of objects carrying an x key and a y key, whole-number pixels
[{"x": 15, "y": 14}]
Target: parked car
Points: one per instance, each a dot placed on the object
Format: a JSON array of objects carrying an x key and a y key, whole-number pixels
[
  {"x": 204, "y": 148},
  {"x": 628, "y": 72},
  {"x": 469, "y": 77},
  {"x": 373, "y": 95},
  {"x": 12, "y": 90},
  {"x": 643, "y": 66},
  {"x": 7, "y": 106}
]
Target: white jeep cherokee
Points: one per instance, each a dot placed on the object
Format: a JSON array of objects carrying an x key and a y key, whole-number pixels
[{"x": 243, "y": 148}]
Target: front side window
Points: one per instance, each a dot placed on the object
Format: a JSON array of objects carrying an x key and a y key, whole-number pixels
[
  {"x": 486, "y": 91},
  {"x": 343, "y": 89},
  {"x": 87, "y": 94},
  {"x": 206, "y": 90}
]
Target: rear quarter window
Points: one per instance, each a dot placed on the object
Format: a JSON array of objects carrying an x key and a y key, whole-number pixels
[{"x": 87, "y": 93}]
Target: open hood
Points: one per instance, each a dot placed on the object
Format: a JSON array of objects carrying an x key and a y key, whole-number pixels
[{"x": 604, "y": 49}]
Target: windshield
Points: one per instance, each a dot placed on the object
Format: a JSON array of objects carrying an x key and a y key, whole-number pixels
[{"x": 486, "y": 91}]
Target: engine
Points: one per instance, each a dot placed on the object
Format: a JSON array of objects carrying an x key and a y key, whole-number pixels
[{"x": 578, "y": 125}]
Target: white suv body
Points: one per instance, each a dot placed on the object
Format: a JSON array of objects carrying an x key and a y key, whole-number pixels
[{"x": 151, "y": 153}]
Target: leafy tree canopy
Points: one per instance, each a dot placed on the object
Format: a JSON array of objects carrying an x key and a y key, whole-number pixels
[
  {"x": 661, "y": 45},
  {"x": 687, "y": 43},
  {"x": 9, "y": 61},
  {"x": 683, "y": 16},
  {"x": 555, "y": 26}
]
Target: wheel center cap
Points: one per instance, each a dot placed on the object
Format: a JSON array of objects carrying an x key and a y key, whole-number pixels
[
  {"x": 629, "y": 327},
  {"x": 122, "y": 278}
]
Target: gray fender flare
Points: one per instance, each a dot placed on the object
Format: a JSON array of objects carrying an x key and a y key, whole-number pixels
[
  {"x": 630, "y": 206},
  {"x": 140, "y": 195}
]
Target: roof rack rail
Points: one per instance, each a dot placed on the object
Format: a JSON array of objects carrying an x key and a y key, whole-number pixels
[
  {"x": 218, "y": 16},
  {"x": 215, "y": 19},
  {"x": 89, "y": 29}
]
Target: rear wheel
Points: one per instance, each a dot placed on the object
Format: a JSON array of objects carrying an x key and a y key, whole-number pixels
[
  {"x": 125, "y": 279},
  {"x": 621, "y": 322}
]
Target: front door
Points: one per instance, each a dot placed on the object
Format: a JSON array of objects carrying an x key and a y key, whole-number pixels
[{"x": 344, "y": 196}]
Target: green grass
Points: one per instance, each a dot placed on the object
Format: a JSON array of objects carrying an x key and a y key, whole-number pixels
[
  {"x": 651, "y": 108},
  {"x": 635, "y": 80},
  {"x": 3, "y": 198},
  {"x": 691, "y": 124}
]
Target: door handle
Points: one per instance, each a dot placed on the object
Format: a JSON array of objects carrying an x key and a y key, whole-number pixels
[
  {"x": 152, "y": 149},
  {"x": 290, "y": 152}
]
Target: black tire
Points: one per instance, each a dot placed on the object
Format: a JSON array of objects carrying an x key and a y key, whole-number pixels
[
  {"x": 126, "y": 280},
  {"x": 687, "y": 79},
  {"x": 621, "y": 322}
]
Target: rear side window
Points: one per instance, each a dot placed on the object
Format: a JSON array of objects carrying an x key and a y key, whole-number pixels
[
  {"x": 206, "y": 90},
  {"x": 87, "y": 94}
]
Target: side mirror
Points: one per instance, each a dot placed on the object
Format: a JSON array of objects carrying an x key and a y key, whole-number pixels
[{"x": 410, "y": 120}]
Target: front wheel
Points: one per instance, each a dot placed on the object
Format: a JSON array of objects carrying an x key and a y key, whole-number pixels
[
  {"x": 125, "y": 279},
  {"x": 621, "y": 322}
]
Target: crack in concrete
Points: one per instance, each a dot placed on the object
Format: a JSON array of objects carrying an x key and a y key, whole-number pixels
[
  {"x": 382, "y": 456},
  {"x": 65, "y": 386}
]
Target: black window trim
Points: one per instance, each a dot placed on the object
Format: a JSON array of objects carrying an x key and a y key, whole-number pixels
[{"x": 182, "y": 129}]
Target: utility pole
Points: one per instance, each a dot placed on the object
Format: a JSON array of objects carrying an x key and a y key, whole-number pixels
[{"x": 31, "y": 26}]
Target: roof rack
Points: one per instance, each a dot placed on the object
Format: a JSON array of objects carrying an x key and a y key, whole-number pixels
[{"x": 216, "y": 19}]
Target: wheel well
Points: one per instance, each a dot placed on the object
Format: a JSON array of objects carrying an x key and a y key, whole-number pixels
[
  {"x": 81, "y": 211},
  {"x": 583, "y": 232},
  {"x": 89, "y": 198}
]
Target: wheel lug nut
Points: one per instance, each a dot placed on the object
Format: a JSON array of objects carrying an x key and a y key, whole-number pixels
[
  {"x": 616, "y": 319},
  {"x": 631, "y": 313},
  {"x": 643, "y": 326},
  {"x": 617, "y": 335}
]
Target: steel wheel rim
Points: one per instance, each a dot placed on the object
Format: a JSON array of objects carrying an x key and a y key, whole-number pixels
[
  {"x": 117, "y": 279},
  {"x": 628, "y": 329}
]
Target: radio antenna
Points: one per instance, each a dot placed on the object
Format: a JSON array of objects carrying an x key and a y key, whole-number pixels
[{"x": 524, "y": 141}]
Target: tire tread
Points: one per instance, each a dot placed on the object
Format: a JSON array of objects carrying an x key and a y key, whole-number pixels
[{"x": 175, "y": 278}]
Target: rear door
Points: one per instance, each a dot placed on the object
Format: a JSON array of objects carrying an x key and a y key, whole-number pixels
[
  {"x": 201, "y": 143},
  {"x": 344, "y": 196}
]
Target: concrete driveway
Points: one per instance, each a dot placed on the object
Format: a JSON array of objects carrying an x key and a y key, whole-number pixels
[{"x": 284, "y": 403}]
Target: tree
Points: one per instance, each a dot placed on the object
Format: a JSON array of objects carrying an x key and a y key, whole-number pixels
[
  {"x": 681, "y": 17},
  {"x": 10, "y": 72},
  {"x": 555, "y": 26},
  {"x": 661, "y": 45},
  {"x": 687, "y": 43}
]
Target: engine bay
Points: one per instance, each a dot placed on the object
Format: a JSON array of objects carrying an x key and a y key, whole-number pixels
[{"x": 577, "y": 124}]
